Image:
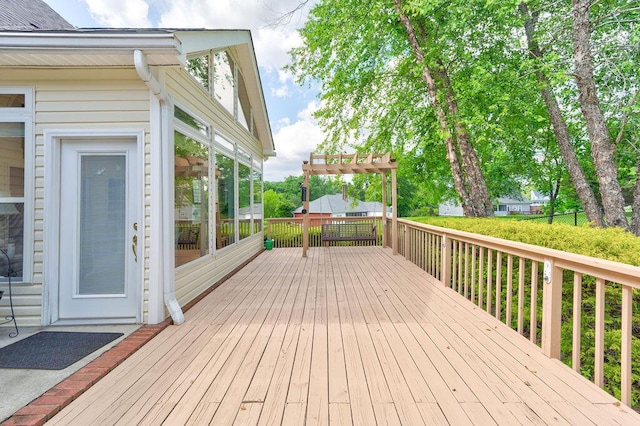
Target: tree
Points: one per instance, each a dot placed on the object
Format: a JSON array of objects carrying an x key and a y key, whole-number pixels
[
  {"x": 563, "y": 139},
  {"x": 601, "y": 148},
  {"x": 277, "y": 205},
  {"x": 450, "y": 82},
  {"x": 468, "y": 178}
]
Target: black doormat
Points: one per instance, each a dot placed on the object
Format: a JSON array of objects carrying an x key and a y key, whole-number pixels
[{"x": 52, "y": 350}]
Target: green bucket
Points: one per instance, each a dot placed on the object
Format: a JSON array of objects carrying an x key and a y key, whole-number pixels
[{"x": 268, "y": 244}]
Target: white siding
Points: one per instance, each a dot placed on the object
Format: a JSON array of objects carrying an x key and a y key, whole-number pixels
[
  {"x": 74, "y": 99},
  {"x": 117, "y": 99}
]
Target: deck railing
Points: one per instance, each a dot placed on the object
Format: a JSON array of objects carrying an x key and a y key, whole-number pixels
[
  {"x": 287, "y": 232},
  {"x": 522, "y": 285}
]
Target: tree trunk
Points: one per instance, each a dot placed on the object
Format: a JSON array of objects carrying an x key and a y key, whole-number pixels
[
  {"x": 468, "y": 187},
  {"x": 578, "y": 178},
  {"x": 475, "y": 178},
  {"x": 601, "y": 148},
  {"x": 554, "y": 190},
  {"x": 635, "y": 217}
]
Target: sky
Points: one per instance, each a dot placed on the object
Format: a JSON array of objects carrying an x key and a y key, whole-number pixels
[{"x": 290, "y": 106}]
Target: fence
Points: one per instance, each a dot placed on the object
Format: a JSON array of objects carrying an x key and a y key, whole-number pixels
[
  {"x": 575, "y": 218},
  {"x": 287, "y": 232},
  {"x": 521, "y": 284}
]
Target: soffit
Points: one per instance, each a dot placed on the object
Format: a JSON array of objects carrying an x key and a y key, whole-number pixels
[{"x": 87, "y": 49}]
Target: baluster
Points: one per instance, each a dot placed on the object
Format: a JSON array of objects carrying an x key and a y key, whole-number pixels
[
  {"x": 625, "y": 373},
  {"x": 533, "y": 320},
  {"x": 489, "y": 279},
  {"x": 473, "y": 273},
  {"x": 577, "y": 320},
  {"x": 599, "y": 349},
  {"x": 499, "y": 285},
  {"x": 509, "y": 301},
  {"x": 521, "y": 295}
]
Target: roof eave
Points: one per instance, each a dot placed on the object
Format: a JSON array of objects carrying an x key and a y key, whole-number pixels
[{"x": 163, "y": 47}]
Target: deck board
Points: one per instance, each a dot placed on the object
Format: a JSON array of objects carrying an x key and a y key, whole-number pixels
[{"x": 346, "y": 336}]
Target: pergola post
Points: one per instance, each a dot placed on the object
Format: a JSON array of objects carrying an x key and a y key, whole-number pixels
[
  {"x": 394, "y": 211},
  {"x": 384, "y": 209},
  {"x": 305, "y": 215}
]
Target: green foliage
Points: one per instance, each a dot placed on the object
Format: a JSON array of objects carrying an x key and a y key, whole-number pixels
[
  {"x": 277, "y": 205},
  {"x": 285, "y": 197},
  {"x": 374, "y": 98},
  {"x": 610, "y": 243}
]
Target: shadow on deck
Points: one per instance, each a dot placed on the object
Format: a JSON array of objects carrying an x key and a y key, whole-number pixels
[{"x": 349, "y": 335}]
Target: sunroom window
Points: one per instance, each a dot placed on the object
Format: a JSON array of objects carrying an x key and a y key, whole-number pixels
[
  {"x": 192, "y": 187},
  {"x": 224, "y": 81},
  {"x": 199, "y": 67},
  {"x": 226, "y": 202},
  {"x": 256, "y": 183}
]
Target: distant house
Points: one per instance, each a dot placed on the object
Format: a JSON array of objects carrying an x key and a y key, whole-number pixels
[
  {"x": 538, "y": 200},
  {"x": 506, "y": 206},
  {"x": 450, "y": 208},
  {"x": 335, "y": 206},
  {"x": 130, "y": 166},
  {"x": 503, "y": 206}
]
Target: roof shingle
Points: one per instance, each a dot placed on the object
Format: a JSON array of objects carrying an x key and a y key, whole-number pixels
[{"x": 30, "y": 15}]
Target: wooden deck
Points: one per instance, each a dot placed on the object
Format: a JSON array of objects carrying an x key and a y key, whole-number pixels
[{"x": 345, "y": 336}]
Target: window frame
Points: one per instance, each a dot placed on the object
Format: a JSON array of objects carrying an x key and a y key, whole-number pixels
[
  {"x": 24, "y": 115},
  {"x": 238, "y": 78}
]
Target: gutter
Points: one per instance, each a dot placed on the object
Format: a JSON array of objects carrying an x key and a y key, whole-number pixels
[{"x": 166, "y": 117}]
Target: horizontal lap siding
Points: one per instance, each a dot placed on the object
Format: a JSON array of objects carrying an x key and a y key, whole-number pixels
[
  {"x": 192, "y": 279},
  {"x": 70, "y": 99}
]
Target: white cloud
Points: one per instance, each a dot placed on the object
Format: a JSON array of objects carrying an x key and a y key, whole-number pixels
[
  {"x": 120, "y": 13},
  {"x": 281, "y": 92},
  {"x": 272, "y": 42},
  {"x": 294, "y": 142}
]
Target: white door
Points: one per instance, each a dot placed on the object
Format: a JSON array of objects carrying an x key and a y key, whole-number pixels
[{"x": 98, "y": 273}]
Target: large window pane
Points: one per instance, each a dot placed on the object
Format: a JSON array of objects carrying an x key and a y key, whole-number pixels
[
  {"x": 12, "y": 198},
  {"x": 102, "y": 224},
  {"x": 11, "y": 240},
  {"x": 223, "y": 80},
  {"x": 191, "y": 121},
  {"x": 257, "y": 201},
  {"x": 244, "y": 107},
  {"x": 244, "y": 200},
  {"x": 225, "y": 215},
  {"x": 11, "y": 100},
  {"x": 191, "y": 199}
]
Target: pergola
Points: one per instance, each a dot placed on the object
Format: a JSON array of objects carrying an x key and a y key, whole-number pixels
[{"x": 343, "y": 164}]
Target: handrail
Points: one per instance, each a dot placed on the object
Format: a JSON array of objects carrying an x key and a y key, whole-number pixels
[
  {"x": 482, "y": 269},
  {"x": 611, "y": 271}
]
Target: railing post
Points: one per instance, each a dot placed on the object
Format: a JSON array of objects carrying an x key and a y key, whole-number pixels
[
  {"x": 551, "y": 309},
  {"x": 268, "y": 229},
  {"x": 446, "y": 261},
  {"x": 384, "y": 209}
]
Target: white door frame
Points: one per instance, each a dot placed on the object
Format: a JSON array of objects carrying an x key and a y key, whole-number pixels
[{"x": 51, "y": 234}]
